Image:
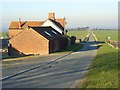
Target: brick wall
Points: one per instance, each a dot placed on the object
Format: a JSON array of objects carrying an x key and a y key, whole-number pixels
[
  {"x": 30, "y": 42},
  {"x": 14, "y": 32}
]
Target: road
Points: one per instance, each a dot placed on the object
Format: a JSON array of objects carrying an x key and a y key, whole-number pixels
[{"x": 60, "y": 73}]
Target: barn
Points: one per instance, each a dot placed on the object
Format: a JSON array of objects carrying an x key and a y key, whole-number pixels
[{"x": 37, "y": 40}]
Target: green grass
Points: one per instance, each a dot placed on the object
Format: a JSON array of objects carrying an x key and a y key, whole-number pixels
[
  {"x": 102, "y": 34},
  {"x": 4, "y": 34},
  {"x": 103, "y": 72},
  {"x": 78, "y": 34}
]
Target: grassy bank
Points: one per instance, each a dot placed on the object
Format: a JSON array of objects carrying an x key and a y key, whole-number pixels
[{"x": 103, "y": 72}]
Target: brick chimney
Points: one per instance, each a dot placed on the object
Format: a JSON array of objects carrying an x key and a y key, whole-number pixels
[
  {"x": 51, "y": 15},
  {"x": 19, "y": 23}
]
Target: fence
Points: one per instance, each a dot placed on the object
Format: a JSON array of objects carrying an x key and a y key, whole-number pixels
[{"x": 116, "y": 44}]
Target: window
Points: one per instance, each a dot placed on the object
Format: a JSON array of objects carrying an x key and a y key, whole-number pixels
[
  {"x": 47, "y": 33},
  {"x": 54, "y": 32}
]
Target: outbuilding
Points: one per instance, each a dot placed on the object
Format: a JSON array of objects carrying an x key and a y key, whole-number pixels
[{"x": 37, "y": 40}]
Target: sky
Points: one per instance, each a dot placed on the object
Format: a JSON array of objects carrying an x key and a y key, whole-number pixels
[{"x": 78, "y": 13}]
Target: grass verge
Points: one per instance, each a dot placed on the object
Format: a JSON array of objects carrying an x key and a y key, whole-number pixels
[{"x": 103, "y": 72}]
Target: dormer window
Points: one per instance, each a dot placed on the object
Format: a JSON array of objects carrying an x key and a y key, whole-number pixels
[{"x": 47, "y": 33}]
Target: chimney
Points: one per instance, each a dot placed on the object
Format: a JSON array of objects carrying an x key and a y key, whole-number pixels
[
  {"x": 51, "y": 15},
  {"x": 19, "y": 23}
]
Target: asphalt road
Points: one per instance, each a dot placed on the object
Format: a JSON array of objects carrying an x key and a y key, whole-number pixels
[
  {"x": 61, "y": 73},
  {"x": 13, "y": 66}
]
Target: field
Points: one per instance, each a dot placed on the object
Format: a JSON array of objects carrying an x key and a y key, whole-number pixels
[
  {"x": 102, "y": 34},
  {"x": 4, "y": 34},
  {"x": 103, "y": 72},
  {"x": 78, "y": 34}
]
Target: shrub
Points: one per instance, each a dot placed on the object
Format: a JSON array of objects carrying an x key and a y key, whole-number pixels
[{"x": 72, "y": 39}]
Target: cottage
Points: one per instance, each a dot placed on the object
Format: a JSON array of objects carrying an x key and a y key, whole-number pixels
[
  {"x": 37, "y": 40},
  {"x": 37, "y": 37},
  {"x": 17, "y": 26}
]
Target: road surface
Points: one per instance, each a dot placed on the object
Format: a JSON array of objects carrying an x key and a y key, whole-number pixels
[{"x": 61, "y": 73}]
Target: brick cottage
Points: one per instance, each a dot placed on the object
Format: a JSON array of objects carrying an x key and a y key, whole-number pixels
[{"x": 37, "y": 37}]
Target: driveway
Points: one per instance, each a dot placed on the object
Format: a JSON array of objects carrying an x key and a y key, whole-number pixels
[{"x": 60, "y": 73}]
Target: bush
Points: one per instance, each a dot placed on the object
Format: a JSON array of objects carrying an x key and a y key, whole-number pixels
[{"x": 72, "y": 39}]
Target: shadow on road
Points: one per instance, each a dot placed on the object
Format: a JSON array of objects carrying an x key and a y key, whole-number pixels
[
  {"x": 92, "y": 45},
  {"x": 14, "y": 56}
]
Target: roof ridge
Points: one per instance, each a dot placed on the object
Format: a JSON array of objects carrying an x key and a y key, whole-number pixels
[{"x": 57, "y": 25}]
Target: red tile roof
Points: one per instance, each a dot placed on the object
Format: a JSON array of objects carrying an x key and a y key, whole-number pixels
[
  {"x": 15, "y": 25},
  {"x": 61, "y": 21}
]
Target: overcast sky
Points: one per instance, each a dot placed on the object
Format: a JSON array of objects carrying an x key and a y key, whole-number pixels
[{"x": 78, "y": 13}]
